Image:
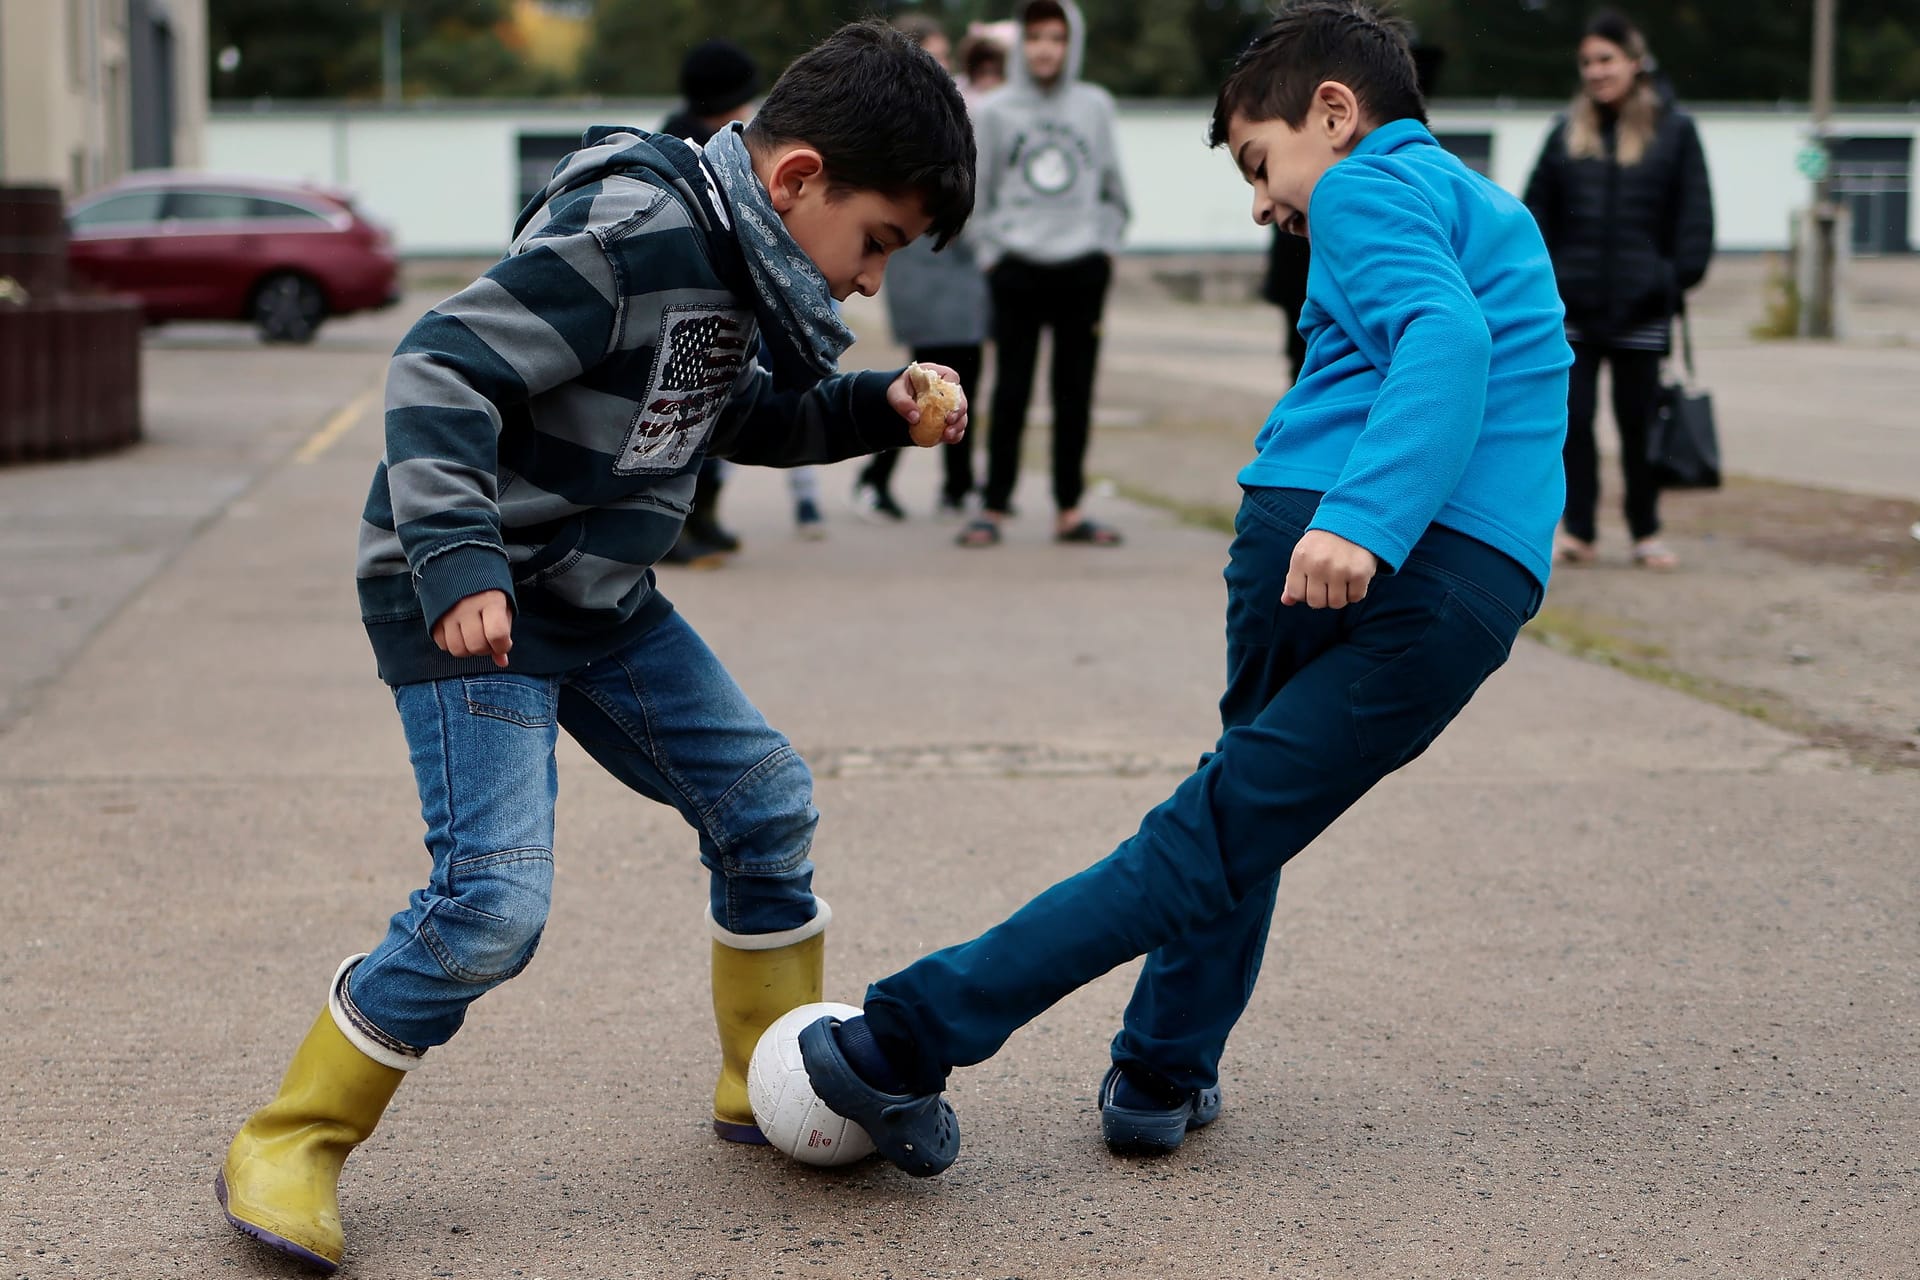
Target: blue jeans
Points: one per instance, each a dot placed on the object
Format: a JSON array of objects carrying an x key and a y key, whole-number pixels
[
  {"x": 661, "y": 715},
  {"x": 1319, "y": 706}
]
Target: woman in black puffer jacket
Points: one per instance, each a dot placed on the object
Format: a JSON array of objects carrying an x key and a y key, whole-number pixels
[{"x": 1620, "y": 192}]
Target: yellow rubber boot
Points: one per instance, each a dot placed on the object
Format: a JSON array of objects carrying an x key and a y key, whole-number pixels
[
  {"x": 280, "y": 1183},
  {"x": 756, "y": 978}
]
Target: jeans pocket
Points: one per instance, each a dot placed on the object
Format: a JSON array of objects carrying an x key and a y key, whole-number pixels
[
  {"x": 524, "y": 701},
  {"x": 1402, "y": 705}
]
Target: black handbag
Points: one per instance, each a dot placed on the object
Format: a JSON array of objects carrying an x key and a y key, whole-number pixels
[{"x": 1683, "y": 446}]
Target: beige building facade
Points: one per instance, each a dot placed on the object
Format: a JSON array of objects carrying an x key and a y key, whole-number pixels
[{"x": 90, "y": 89}]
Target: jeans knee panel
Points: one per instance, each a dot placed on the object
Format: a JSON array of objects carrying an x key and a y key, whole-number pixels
[
  {"x": 765, "y": 821},
  {"x": 487, "y": 924}
]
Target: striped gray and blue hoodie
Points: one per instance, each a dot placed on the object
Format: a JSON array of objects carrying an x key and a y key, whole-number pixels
[{"x": 544, "y": 425}]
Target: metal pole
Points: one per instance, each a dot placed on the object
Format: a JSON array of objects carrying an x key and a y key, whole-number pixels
[
  {"x": 390, "y": 54},
  {"x": 1820, "y": 305}
]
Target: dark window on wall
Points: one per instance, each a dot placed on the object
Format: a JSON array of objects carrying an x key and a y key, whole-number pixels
[
  {"x": 1875, "y": 178},
  {"x": 539, "y": 153},
  {"x": 1474, "y": 149},
  {"x": 151, "y": 54}
]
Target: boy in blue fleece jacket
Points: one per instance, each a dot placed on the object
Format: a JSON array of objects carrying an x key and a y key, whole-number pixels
[
  {"x": 545, "y": 428},
  {"x": 1394, "y": 537}
]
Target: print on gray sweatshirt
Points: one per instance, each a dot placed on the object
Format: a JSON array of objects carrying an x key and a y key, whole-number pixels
[
  {"x": 1050, "y": 184},
  {"x": 544, "y": 425}
]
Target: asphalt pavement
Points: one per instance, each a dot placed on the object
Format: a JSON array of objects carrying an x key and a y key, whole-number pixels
[{"x": 1610, "y": 983}]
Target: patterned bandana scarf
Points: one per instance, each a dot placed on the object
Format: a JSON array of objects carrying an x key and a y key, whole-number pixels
[{"x": 797, "y": 316}]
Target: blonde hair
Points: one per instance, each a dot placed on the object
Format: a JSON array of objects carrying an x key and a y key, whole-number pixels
[{"x": 1639, "y": 112}]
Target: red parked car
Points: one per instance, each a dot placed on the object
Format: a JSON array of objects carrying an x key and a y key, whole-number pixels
[{"x": 198, "y": 247}]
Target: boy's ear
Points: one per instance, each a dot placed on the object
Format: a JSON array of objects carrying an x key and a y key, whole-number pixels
[
  {"x": 1338, "y": 114},
  {"x": 790, "y": 172}
]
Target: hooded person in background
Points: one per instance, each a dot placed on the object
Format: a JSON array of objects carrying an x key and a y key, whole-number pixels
[
  {"x": 718, "y": 83},
  {"x": 1052, "y": 208}
]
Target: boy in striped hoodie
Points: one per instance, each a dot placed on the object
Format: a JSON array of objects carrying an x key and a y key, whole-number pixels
[{"x": 545, "y": 427}]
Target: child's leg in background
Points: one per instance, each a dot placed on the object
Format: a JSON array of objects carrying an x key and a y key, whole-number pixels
[
  {"x": 878, "y": 473},
  {"x": 958, "y": 458},
  {"x": 1636, "y": 391},
  {"x": 1020, "y": 307},
  {"x": 803, "y": 485},
  {"x": 1385, "y": 676},
  {"x": 666, "y": 718},
  {"x": 1080, "y": 297},
  {"x": 1580, "y": 454}
]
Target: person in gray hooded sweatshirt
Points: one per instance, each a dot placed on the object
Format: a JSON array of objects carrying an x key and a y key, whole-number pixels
[{"x": 1051, "y": 209}]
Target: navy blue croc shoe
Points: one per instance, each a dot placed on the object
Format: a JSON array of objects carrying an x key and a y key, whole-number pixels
[
  {"x": 1153, "y": 1131},
  {"x": 918, "y": 1132}
]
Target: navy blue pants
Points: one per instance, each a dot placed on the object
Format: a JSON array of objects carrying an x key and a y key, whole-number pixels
[{"x": 1319, "y": 706}]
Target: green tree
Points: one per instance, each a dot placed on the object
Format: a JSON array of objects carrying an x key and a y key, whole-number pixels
[
  {"x": 288, "y": 48},
  {"x": 299, "y": 49},
  {"x": 637, "y": 45},
  {"x": 1711, "y": 50}
]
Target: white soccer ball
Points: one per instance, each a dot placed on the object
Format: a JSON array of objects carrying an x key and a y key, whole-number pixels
[{"x": 788, "y": 1112}]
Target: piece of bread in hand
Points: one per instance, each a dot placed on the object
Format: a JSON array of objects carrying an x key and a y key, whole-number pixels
[{"x": 935, "y": 398}]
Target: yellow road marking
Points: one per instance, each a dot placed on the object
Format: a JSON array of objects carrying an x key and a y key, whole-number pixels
[{"x": 335, "y": 427}]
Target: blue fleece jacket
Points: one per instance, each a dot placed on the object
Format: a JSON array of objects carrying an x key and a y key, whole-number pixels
[{"x": 1434, "y": 388}]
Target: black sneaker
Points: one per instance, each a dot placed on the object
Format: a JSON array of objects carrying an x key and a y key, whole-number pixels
[
  {"x": 709, "y": 531},
  {"x": 690, "y": 552},
  {"x": 877, "y": 505}
]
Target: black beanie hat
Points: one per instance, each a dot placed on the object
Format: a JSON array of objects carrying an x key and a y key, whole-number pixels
[{"x": 716, "y": 76}]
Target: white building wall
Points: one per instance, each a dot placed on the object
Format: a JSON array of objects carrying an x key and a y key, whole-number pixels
[
  {"x": 190, "y": 82},
  {"x": 66, "y": 97},
  {"x": 445, "y": 180}
]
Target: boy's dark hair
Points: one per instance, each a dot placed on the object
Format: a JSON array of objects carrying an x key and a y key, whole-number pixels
[
  {"x": 1308, "y": 43},
  {"x": 884, "y": 117},
  {"x": 977, "y": 53},
  {"x": 1043, "y": 11}
]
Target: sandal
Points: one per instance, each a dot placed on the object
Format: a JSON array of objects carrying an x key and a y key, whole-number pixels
[
  {"x": 1651, "y": 553},
  {"x": 918, "y": 1132},
  {"x": 1091, "y": 534},
  {"x": 979, "y": 533},
  {"x": 1568, "y": 549}
]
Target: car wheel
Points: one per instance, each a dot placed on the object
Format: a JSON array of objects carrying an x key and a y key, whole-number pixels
[{"x": 288, "y": 308}]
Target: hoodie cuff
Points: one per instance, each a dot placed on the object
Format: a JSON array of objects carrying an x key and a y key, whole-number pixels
[
  {"x": 465, "y": 570},
  {"x": 879, "y": 425}
]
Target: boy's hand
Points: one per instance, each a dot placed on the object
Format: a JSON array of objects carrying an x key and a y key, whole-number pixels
[
  {"x": 1328, "y": 572},
  {"x": 901, "y": 395},
  {"x": 479, "y": 624}
]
